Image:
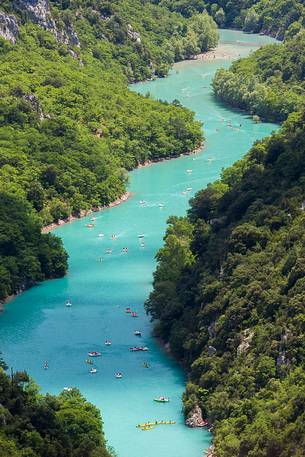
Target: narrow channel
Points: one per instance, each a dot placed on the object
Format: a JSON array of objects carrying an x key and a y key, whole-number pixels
[{"x": 37, "y": 326}]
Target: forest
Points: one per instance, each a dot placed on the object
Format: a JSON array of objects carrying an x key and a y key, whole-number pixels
[
  {"x": 36, "y": 425},
  {"x": 228, "y": 297},
  {"x": 271, "y": 17},
  {"x": 70, "y": 128},
  {"x": 228, "y": 292},
  {"x": 144, "y": 39},
  {"x": 268, "y": 83},
  {"x": 228, "y": 289}
]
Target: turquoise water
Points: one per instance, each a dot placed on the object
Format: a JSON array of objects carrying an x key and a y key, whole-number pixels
[{"x": 37, "y": 326}]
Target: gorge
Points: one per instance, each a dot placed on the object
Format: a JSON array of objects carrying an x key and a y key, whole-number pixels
[{"x": 100, "y": 291}]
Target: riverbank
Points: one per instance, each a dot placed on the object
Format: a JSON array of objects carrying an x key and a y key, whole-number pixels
[
  {"x": 61, "y": 222},
  {"x": 124, "y": 198},
  {"x": 48, "y": 228},
  {"x": 148, "y": 163},
  {"x": 84, "y": 213},
  {"x": 210, "y": 452},
  {"x": 221, "y": 52},
  {"x": 7, "y": 300},
  {"x": 11, "y": 297}
]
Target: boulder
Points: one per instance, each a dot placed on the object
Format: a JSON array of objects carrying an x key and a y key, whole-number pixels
[
  {"x": 246, "y": 338},
  {"x": 195, "y": 419},
  {"x": 211, "y": 350},
  {"x": 133, "y": 35}
]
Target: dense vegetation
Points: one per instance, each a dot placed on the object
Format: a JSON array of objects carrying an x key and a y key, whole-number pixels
[
  {"x": 272, "y": 17},
  {"x": 270, "y": 82},
  {"x": 26, "y": 256},
  {"x": 33, "y": 425},
  {"x": 143, "y": 38},
  {"x": 69, "y": 125},
  {"x": 229, "y": 298},
  {"x": 77, "y": 128}
]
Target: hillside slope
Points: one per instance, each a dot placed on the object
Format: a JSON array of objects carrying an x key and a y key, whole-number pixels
[
  {"x": 34, "y": 425},
  {"x": 272, "y": 17},
  {"x": 228, "y": 297},
  {"x": 69, "y": 126},
  {"x": 269, "y": 83}
]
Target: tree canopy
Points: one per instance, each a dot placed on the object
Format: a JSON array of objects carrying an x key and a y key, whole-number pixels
[
  {"x": 69, "y": 126},
  {"x": 269, "y": 83},
  {"x": 35, "y": 425},
  {"x": 272, "y": 17},
  {"x": 228, "y": 298}
]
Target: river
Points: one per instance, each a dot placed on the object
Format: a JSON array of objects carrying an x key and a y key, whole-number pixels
[{"x": 37, "y": 326}]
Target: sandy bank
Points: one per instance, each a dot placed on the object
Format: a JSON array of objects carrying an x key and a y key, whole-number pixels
[
  {"x": 84, "y": 213},
  {"x": 220, "y": 52},
  {"x": 148, "y": 163},
  {"x": 118, "y": 201}
]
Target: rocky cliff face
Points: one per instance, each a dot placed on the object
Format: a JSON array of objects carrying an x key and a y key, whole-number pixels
[
  {"x": 195, "y": 419},
  {"x": 38, "y": 12},
  {"x": 8, "y": 27}
]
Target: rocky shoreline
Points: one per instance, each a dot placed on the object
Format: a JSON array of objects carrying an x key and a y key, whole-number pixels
[
  {"x": 210, "y": 452},
  {"x": 195, "y": 419}
]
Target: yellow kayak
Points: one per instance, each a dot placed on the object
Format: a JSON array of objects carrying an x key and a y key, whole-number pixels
[{"x": 152, "y": 424}]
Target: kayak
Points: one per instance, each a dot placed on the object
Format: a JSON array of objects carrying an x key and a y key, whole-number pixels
[
  {"x": 94, "y": 354},
  {"x": 139, "y": 348},
  {"x": 152, "y": 424},
  {"x": 161, "y": 400}
]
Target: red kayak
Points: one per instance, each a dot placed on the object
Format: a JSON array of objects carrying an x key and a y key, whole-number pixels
[{"x": 94, "y": 354}]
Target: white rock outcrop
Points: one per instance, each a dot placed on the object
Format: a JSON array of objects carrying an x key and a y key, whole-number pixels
[
  {"x": 195, "y": 419},
  {"x": 38, "y": 12},
  {"x": 133, "y": 35},
  {"x": 8, "y": 27},
  {"x": 246, "y": 338}
]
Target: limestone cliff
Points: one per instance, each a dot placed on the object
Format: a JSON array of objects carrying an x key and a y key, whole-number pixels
[
  {"x": 38, "y": 12},
  {"x": 8, "y": 27}
]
